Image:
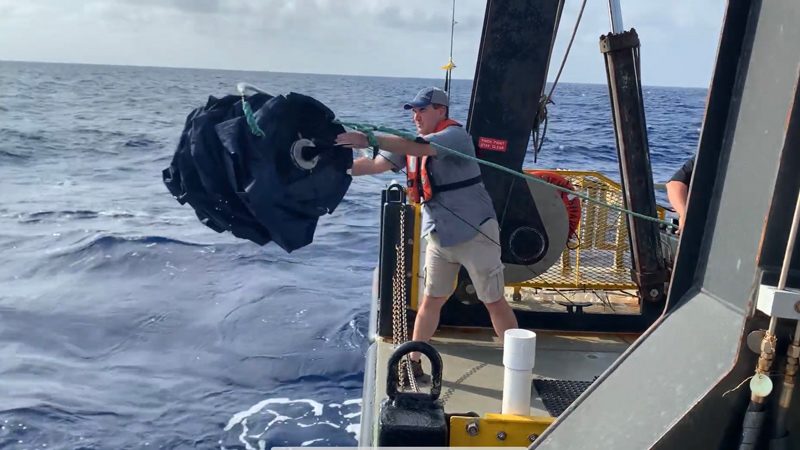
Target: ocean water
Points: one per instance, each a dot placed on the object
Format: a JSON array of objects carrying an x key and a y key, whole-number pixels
[{"x": 126, "y": 324}]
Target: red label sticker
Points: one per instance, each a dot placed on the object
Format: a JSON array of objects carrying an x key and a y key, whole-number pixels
[{"x": 495, "y": 145}]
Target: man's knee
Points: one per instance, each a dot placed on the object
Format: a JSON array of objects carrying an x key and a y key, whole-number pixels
[
  {"x": 497, "y": 305},
  {"x": 429, "y": 301}
]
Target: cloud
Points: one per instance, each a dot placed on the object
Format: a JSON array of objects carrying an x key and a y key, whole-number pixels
[{"x": 368, "y": 37}]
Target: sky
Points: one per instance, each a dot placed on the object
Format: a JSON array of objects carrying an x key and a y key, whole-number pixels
[{"x": 408, "y": 38}]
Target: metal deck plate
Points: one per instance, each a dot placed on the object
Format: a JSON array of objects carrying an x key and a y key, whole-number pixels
[{"x": 473, "y": 366}]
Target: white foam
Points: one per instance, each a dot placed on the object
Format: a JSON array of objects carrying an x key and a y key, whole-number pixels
[
  {"x": 244, "y": 433},
  {"x": 309, "y": 425},
  {"x": 278, "y": 418},
  {"x": 354, "y": 429},
  {"x": 238, "y": 417},
  {"x": 305, "y": 420}
]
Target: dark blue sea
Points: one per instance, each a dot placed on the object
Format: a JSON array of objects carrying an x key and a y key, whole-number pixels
[{"x": 126, "y": 324}]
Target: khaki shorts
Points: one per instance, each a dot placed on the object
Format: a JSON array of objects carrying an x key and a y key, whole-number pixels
[{"x": 480, "y": 256}]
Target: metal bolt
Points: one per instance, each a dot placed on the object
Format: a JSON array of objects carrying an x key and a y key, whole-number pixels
[
  {"x": 654, "y": 293},
  {"x": 472, "y": 428},
  {"x": 533, "y": 437},
  {"x": 501, "y": 436}
]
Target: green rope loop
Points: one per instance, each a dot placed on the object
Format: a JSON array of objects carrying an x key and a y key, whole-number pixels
[
  {"x": 411, "y": 136},
  {"x": 251, "y": 119},
  {"x": 368, "y": 130}
]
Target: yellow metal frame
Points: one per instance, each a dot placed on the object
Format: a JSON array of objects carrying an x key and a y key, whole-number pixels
[
  {"x": 593, "y": 233},
  {"x": 496, "y": 430}
]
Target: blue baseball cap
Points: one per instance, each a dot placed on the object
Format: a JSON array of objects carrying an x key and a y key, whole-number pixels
[{"x": 429, "y": 96}]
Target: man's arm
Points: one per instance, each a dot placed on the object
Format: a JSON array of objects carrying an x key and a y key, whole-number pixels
[
  {"x": 402, "y": 146},
  {"x": 677, "y": 192},
  {"x": 367, "y": 166},
  {"x": 394, "y": 144}
]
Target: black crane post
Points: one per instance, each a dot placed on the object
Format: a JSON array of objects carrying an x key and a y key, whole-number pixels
[{"x": 621, "y": 54}]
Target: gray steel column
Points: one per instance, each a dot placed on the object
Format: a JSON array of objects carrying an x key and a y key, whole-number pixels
[
  {"x": 615, "y": 12},
  {"x": 621, "y": 52}
]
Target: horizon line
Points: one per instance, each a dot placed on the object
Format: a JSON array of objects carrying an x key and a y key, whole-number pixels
[{"x": 146, "y": 66}]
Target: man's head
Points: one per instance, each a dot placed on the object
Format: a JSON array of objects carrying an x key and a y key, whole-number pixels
[{"x": 430, "y": 107}]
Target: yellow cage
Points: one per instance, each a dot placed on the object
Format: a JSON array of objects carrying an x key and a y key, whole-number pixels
[{"x": 599, "y": 258}]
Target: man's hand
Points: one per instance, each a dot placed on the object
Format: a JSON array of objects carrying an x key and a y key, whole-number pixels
[{"x": 352, "y": 139}]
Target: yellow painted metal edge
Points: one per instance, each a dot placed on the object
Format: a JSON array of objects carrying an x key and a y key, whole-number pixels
[
  {"x": 579, "y": 286},
  {"x": 415, "y": 266},
  {"x": 497, "y": 430}
]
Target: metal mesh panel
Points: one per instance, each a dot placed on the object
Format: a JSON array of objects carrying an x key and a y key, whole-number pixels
[
  {"x": 557, "y": 395},
  {"x": 599, "y": 256}
]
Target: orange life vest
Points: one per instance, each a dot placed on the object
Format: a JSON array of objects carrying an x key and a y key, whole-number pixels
[{"x": 420, "y": 185}]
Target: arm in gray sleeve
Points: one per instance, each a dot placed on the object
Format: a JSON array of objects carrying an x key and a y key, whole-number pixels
[{"x": 398, "y": 161}]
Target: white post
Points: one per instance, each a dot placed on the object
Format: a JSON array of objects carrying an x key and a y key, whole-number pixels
[
  {"x": 519, "y": 355},
  {"x": 615, "y": 11}
]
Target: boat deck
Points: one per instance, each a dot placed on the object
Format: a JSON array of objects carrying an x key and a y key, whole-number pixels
[{"x": 473, "y": 368}]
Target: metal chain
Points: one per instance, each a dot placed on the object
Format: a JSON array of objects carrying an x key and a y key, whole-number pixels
[
  {"x": 460, "y": 380},
  {"x": 399, "y": 316}
]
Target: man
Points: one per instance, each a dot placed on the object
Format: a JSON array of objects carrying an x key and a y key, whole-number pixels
[
  {"x": 458, "y": 219},
  {"x": 678, "y": 190}
]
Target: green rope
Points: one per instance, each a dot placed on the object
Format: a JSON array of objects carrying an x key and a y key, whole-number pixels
[
  {"x": 251, "y": 119},
  {"x": 369, "y": 130}
]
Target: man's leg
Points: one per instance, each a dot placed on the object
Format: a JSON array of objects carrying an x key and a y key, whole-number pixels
[
  {"x": 427, "y": 318},
  {"x": 481, "y": 257},
  {"x": 502, "y": 316},
  {"x": 441, "y": 273}
]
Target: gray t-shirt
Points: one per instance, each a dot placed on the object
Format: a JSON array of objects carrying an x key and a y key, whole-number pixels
[{"x": 454, "y": 215}]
